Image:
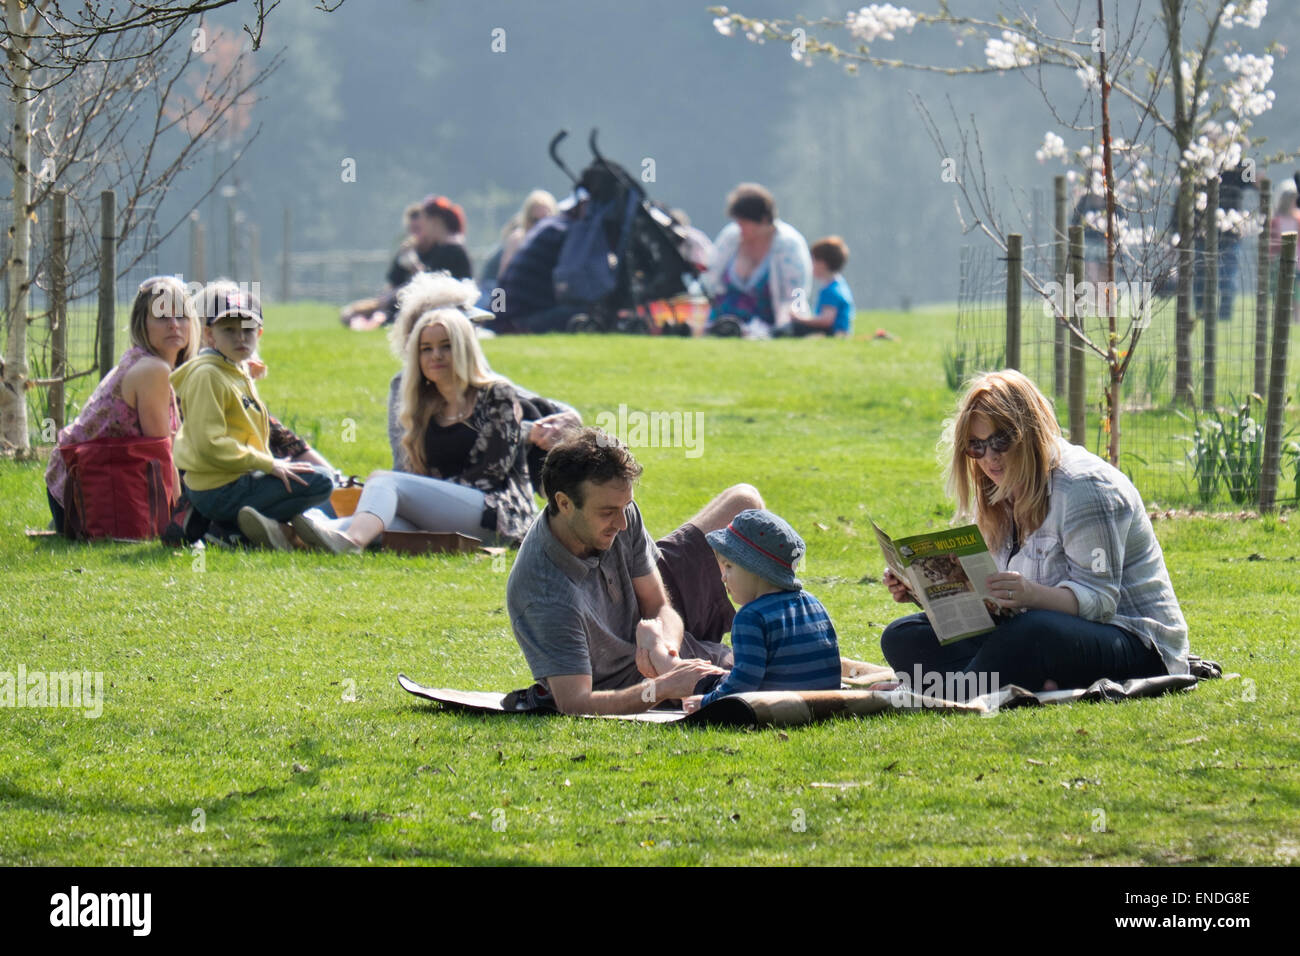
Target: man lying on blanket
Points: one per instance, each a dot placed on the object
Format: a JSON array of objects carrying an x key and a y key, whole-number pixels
[{"x": 609, "y": 620}]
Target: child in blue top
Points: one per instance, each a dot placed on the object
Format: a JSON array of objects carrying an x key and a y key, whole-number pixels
[
  {"x": 782, "y": 637},
  {"x": 833, "y": 314}
]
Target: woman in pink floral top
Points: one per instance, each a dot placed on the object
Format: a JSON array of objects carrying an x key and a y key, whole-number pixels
[{"x": 136, "y": 397}]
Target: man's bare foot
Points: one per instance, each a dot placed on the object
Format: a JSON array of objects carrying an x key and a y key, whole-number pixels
[
  {"x": 654, "y": 649},
  {"x": 1050, "y": 684},
  {"x": 662, "y": 659}
]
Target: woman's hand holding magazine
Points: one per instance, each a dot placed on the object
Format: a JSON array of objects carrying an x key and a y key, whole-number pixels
[{"x": 898, "y": 588}]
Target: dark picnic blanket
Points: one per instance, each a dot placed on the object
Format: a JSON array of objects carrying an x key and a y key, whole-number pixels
[{"x": 790, "y": 708}]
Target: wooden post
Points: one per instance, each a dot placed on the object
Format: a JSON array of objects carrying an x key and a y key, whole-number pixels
[
  {"x": 1184, "y": 314},
  {"x": 1274, "y": 417},
  {"x": 286, "y": 289},
  {"x": 1078, "y": 385},
  {"x": 231, "y": 236},
  {"x": 58, "y": 305},
  {"x": 1261, "y": 290},
  {"x": 1210, "y": 304},
  {"x": 1061, "y": 248},
  {"x": 1015, "y": 250},
  {"x": 197, "y": 268},
  {"x": 255, "y": 257},
  {"x": 107, "y": 281}
]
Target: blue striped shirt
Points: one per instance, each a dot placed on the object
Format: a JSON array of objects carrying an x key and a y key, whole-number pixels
[{"x": 782, "y": 641}]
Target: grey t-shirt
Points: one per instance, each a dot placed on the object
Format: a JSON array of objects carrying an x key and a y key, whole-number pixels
[{"x": 575, "y": 615}]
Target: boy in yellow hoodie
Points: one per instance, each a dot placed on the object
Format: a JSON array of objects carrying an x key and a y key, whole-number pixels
[{"x": 230, "y": 476}]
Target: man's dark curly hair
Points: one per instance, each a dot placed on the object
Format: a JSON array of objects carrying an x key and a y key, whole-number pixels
[{"x": 588, "y": 454}]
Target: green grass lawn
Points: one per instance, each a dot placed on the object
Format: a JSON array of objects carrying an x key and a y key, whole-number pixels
[{"x": 251, "y": 712}]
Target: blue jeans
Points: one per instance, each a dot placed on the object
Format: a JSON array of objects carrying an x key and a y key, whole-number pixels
[
  {"x": 265, "y": 494},
  {"x": 1027, "y": 650}
]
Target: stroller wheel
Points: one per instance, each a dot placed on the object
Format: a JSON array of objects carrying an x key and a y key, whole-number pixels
[
  {"x": 728, "y": 326},
  {"x": 582, "y": 323},
  {"x": 633, "y": 325}
]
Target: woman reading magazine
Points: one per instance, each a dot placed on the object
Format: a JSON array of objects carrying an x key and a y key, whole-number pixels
[{"x": 1078, "y": 561}]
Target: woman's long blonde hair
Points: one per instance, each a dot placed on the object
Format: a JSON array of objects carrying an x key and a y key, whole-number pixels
[
  {"x": 524, "y": 219},
  {"x": 425, "y": 292},
  {"x": 421, "y": 399},
  {"x": 1014, "y": 405}
]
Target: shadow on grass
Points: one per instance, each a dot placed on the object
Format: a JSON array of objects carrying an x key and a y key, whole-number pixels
[
  {"x": 17, "y": 798},
  {"x": 123, "y": 552}
]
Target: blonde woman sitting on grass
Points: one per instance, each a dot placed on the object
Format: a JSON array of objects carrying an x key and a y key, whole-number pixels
[
  {"x": 463, "y": 444},
  {"x": 545, "y": 419}
]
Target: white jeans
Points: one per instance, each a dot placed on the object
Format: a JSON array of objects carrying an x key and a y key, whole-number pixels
[{"x": 406, "y": 502}]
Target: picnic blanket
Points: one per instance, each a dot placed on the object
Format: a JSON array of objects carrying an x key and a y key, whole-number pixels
[{"x": 790, "y": 708}]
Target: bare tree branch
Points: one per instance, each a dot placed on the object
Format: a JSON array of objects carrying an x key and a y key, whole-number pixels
[{"x": 97, "y": 91}]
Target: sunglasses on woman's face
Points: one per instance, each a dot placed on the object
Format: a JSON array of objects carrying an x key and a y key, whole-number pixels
[{"x": 997, "y": 442}]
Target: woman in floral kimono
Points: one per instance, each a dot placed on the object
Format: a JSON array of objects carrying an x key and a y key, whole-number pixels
[{"x": 463, "y": 439}]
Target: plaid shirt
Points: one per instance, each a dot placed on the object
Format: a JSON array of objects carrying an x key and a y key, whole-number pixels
[{"x": 1097, "y": 541}]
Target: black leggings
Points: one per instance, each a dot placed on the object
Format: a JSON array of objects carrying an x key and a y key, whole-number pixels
[{"x": 56, "y": 510}]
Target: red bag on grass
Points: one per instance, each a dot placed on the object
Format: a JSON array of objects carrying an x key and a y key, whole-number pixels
[{"x": 118, "y": 488}]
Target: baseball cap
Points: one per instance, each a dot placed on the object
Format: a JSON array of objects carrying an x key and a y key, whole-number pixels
[{"x": 218, "y": 300}]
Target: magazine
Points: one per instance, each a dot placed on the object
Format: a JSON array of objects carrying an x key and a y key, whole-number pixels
[{"x": 945, "y": 571}]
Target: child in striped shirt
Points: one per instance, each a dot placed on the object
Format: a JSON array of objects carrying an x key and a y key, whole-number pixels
[{"x": 782, "y": 637}]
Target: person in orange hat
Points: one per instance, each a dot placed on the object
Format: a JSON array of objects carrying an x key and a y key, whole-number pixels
[{"x": 436, "y": 243}]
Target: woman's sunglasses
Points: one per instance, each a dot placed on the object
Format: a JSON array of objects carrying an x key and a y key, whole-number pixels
[{"x": 998, "y": 442}]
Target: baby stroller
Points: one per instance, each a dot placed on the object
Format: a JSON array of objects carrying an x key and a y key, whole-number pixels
[{"x": 622, "y": 254}]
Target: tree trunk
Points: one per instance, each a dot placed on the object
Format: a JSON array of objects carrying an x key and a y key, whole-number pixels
[{"x": 13, "y": 394}]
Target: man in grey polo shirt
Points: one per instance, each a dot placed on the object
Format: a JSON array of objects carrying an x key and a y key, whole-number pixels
[{"x": 610, "y": 621}]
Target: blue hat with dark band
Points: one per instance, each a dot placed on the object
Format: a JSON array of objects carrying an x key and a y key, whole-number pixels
[{"x": 763, "y": 544}]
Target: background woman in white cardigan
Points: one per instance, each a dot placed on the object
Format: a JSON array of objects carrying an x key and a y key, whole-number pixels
[{"x": 760, "y": 264}]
